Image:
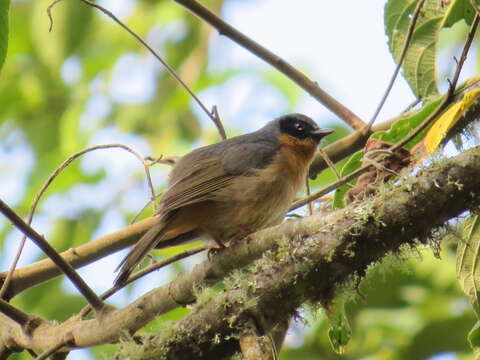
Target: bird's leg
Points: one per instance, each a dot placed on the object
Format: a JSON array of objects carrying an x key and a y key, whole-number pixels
[
  {"x": 243, "y": 233},
  {"x": 216, "y": 250},
  {"x": 220, "y": 244}
]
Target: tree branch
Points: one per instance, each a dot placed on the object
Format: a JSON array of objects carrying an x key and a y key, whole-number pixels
[
  {"x": 334, "y": 247},
  {"x": 325, "y": 252},
  {"x": 311, "y": 87},
  {"x": 73, "y": 276},
  {"x": 13, "y": 313},
  {"x": 36, "y": 273}
]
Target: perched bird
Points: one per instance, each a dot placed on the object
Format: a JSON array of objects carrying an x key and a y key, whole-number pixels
[{"x": 232, "y": 188}]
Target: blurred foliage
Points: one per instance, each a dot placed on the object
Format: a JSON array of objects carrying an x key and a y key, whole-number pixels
[
  {"x": 468, "y": 273},
  {"x": 404, "y": 309},
  {"x": 4, "y": 6},
  {"x": 75, "y": 86}
]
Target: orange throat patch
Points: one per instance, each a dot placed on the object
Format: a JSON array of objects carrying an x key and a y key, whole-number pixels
[{"x": 299, "y": 150}]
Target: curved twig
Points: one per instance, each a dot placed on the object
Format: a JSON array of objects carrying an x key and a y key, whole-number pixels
[
  {"x": 45, "y": 355},
  {"x": 47, "y": 183}
]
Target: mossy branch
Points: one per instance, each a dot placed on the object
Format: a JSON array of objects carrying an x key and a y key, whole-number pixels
[
  {"x": 322, "y": 253},
  {"x": 309, "y": 258}
]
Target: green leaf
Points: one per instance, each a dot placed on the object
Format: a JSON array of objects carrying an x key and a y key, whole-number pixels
[
  {"x": 419, "y": 66},
  {"x": 339, "y": 332},
  {"x": 4, "y": 6},
  {"x": 468, "y": 273},
  {"x": 474, "y": 338},
  {"x": 353, "y": 163},
  {"x": 403, "y": 126},
  {"x": 458, "y": 11}
]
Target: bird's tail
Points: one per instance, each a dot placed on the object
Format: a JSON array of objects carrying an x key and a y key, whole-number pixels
[{"x": 151, "y": 238}]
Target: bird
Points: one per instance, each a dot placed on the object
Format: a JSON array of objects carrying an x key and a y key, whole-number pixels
[{"x": 230, "y": 189}]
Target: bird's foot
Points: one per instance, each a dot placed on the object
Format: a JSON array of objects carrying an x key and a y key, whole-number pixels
[
  {"x": 216, "y": 250},
  {"x": 242, "y": 234}
]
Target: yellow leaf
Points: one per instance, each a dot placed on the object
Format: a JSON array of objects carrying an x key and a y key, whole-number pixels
[{"x": 449, "y": 118}]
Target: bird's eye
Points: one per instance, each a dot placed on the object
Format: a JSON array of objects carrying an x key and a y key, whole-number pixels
[{"x": 298, "y": 126}]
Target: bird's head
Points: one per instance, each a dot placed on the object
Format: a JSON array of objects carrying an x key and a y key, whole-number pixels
[{"x": 301, "y": 127}]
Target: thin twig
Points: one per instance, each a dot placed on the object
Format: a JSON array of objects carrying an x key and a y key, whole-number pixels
[
  {"x": 47, "y": 183},
  {"x": 463, "y": 57},
  {"x": 49, "y": 13},
  {"x": 411, "y": 106},
  {"x": 135, "y": 218},
  {"x": 411, "y": 29},
  {"x": 412, "y": 134},
  {"x": 328, "y": 188},
  {"x": 165, "y": 160},
  {"x": 311, "y": 87},
  {"x": 73, "y": 276},
  {"x": 13, "y": 313},
  {"x": 329, "y": 162},
  {"x": 156, "y": 266},
  {"x": 218, "y": 122},
  {"x": 211, "y": 115},
  {"x": 308, "y": 191},
  {"x": 54, "y": 349},
  {"x": 32, "y": 353},
  {"x": 160, "y": 264}
]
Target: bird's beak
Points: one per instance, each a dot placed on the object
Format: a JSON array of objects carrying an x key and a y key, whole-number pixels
[{"x": 318, "y": 134}]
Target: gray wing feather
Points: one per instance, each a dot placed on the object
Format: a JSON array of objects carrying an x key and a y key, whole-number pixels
[
  {"x": 199, "y": 174},
  {"x": 241, "y": 158}
]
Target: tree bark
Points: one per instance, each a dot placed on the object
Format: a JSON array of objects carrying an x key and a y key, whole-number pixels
[
  {"x": 304, "y": 260},
  {"x": 324, "y": 253}
]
